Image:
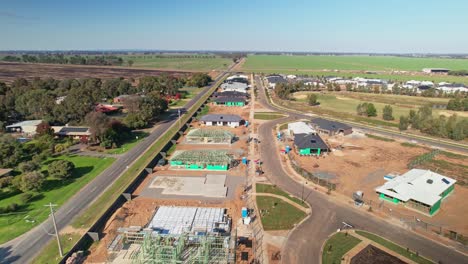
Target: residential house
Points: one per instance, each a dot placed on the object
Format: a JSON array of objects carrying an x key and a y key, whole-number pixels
[
  {"x": 230, "y": 101},
  {"x": 331, "y": 127},
  {"x": 423, "y": 190},
  {"x": 81, "y": 133},
  {"x": 221, "y": 120},
  {"x": 310, "y": 144}
]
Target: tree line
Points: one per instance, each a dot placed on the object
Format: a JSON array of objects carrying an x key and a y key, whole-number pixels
[
  {"x": 446, "y": 127},
  {"x": 39, "y": 98},
  {"x": 108, "y": 60}
]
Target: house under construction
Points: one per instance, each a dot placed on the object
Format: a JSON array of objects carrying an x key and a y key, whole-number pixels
[
  {"x": 209, "y": 136},
  {"x": 216, "y": 160},
  {"x": 179, "y": 235}
]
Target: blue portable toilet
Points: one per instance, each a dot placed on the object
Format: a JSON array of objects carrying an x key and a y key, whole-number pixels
[
  {"x": 244, "y": 160},
  {"x": 288, "y": 148},
  {"x": 244, "y": 212},
  {"x": 279, "y": 135},
  {"x": 246, "y": 123}
]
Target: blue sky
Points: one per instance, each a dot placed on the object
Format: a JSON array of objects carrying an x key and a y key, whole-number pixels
[{"x": 332, "y": 25}]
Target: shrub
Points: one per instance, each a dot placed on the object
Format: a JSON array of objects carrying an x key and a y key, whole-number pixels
[
  {"x": 61, "y": 169},
  {"x": 5, "y": 181}
]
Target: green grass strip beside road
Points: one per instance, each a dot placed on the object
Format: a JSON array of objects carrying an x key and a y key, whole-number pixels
[
  {"x": 268, "y": 188},
  {"x": 103, "y": 202},
  {"x": 336, "y": 246},
  {"x": 395, "y": 248}
]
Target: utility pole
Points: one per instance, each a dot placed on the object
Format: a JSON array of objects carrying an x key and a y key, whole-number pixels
[{"x": 51, "y": 206}]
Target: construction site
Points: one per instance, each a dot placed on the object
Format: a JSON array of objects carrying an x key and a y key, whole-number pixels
[
  {"x": 357, "y": 162},
  {"x": 190, "y": 209}
]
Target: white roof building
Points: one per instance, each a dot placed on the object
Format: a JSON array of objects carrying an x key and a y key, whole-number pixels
[
  {"x": 423, "y": 186},
  {"x": 300, "y": 128},
  {"x": 235, "y": 86},
  {"x": 237, "y": 76},
  {"x": 26, "y": 127}
]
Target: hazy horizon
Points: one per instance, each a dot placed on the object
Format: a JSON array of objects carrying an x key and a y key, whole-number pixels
[{"x": 337, "y": 26}]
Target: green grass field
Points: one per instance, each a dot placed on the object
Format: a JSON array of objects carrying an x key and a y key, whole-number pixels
[
  {"x": 394, "y": 247},
  {"x": 401, "y": 104},
  {"x": 377, "y": 63},
  {"x": 268, "y": 188},
  {"x": 55, "y": 191},
  {"x": 195, "y": 63},
  {"x": 340, "y": 244},
  {"x": 277, "y": 214}
]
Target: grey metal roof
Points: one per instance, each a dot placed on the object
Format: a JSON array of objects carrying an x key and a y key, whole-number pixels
[
  {"x": 74, "y": 129},
  {"x": 329, "y": 125},
  {"x": 312, "y": 141},
  {"x": 220, "y": 118},
  {"x": 275, "y": 79}
]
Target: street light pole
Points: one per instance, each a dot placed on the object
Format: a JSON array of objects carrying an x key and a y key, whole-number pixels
[{"x": 55, "y": 227}]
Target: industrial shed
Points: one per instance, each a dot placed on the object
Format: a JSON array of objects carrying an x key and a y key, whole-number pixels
[
  {"x": 215, "y": 160},
  {"x": 423, "y": 190},
  {"x": 331, "y": 127},
  {"x": 310, "y": 144},
  {"x": 209, "y": 136}
]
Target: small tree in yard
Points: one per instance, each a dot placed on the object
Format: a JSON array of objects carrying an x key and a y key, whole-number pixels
[
  {"x": 61, "y": 169},
  {"x": 312, "y": 99},
  {"x": 31, "y": 181},
  {"x": 388, "y": 113},
  {"x": 404, "y": 122},
  {"x": 28, "y": 166}
]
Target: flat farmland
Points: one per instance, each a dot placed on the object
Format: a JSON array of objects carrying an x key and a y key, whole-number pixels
[
  {"x": 11, "y": 71},
  {"x": 189, "y": 63},
  {"x": 356, "y": 63}
]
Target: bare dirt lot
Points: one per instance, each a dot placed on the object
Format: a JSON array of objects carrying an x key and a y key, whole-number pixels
[
  {"x": 11, "y": 71},
  {"x": 359, "y": 163}
]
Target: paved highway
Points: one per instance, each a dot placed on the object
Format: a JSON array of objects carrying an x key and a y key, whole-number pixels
[
  {"x": 305, "y": 242},
  {"x": 25, "y": 247}
]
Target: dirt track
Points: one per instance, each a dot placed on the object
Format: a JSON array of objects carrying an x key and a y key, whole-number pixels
[{"x": 10, "y": 71}]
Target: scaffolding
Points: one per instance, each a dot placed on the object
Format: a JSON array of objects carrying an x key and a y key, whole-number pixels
[
  {"x": 186, "y": 248},
  {"x": 201, "y": 159},
  {"x": 209, "y": 136}
]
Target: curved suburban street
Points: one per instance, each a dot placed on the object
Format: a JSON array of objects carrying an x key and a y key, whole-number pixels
[{"x": 305, "y": 241}]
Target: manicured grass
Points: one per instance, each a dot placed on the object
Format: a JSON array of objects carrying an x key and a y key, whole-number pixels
[
  {"x": 268, "y": 115},
  {"x": 54, "y": 190},
  {"x": 380, "y": 138},
  {"x": 267, "y": 188},
  {"x": 394, "y": 247},
  {"x": 51, "y": 257},
  {"x": 409, "y": 145},
  {"x": 196, "y": 63},
  {"x": 378, "y": 63},
  {"x": 134, "y": 140},
  {"x": 340, "y": 244},
  {"x": 277, "y": 214}
]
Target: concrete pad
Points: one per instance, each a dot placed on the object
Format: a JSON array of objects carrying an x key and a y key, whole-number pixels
[
  {"x": 215, "y": 179},
  {"x": 191, "y": 186}
]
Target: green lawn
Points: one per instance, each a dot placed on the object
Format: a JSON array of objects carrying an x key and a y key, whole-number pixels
[
  {"x": 268, "y": 188},
  {"x": 377, "y": 63},
  {"x": 401, "y": 104},
  {"x": 129, "y": 144},
  {"x": 196, "y": 63},
  {"x": 340, "y": 244},
  {"x": 267, "y": 115},
  {"x": 394, "y": 247},
  {"x": 55, "y": 191},
  {"x": 277, "y": 214}
]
